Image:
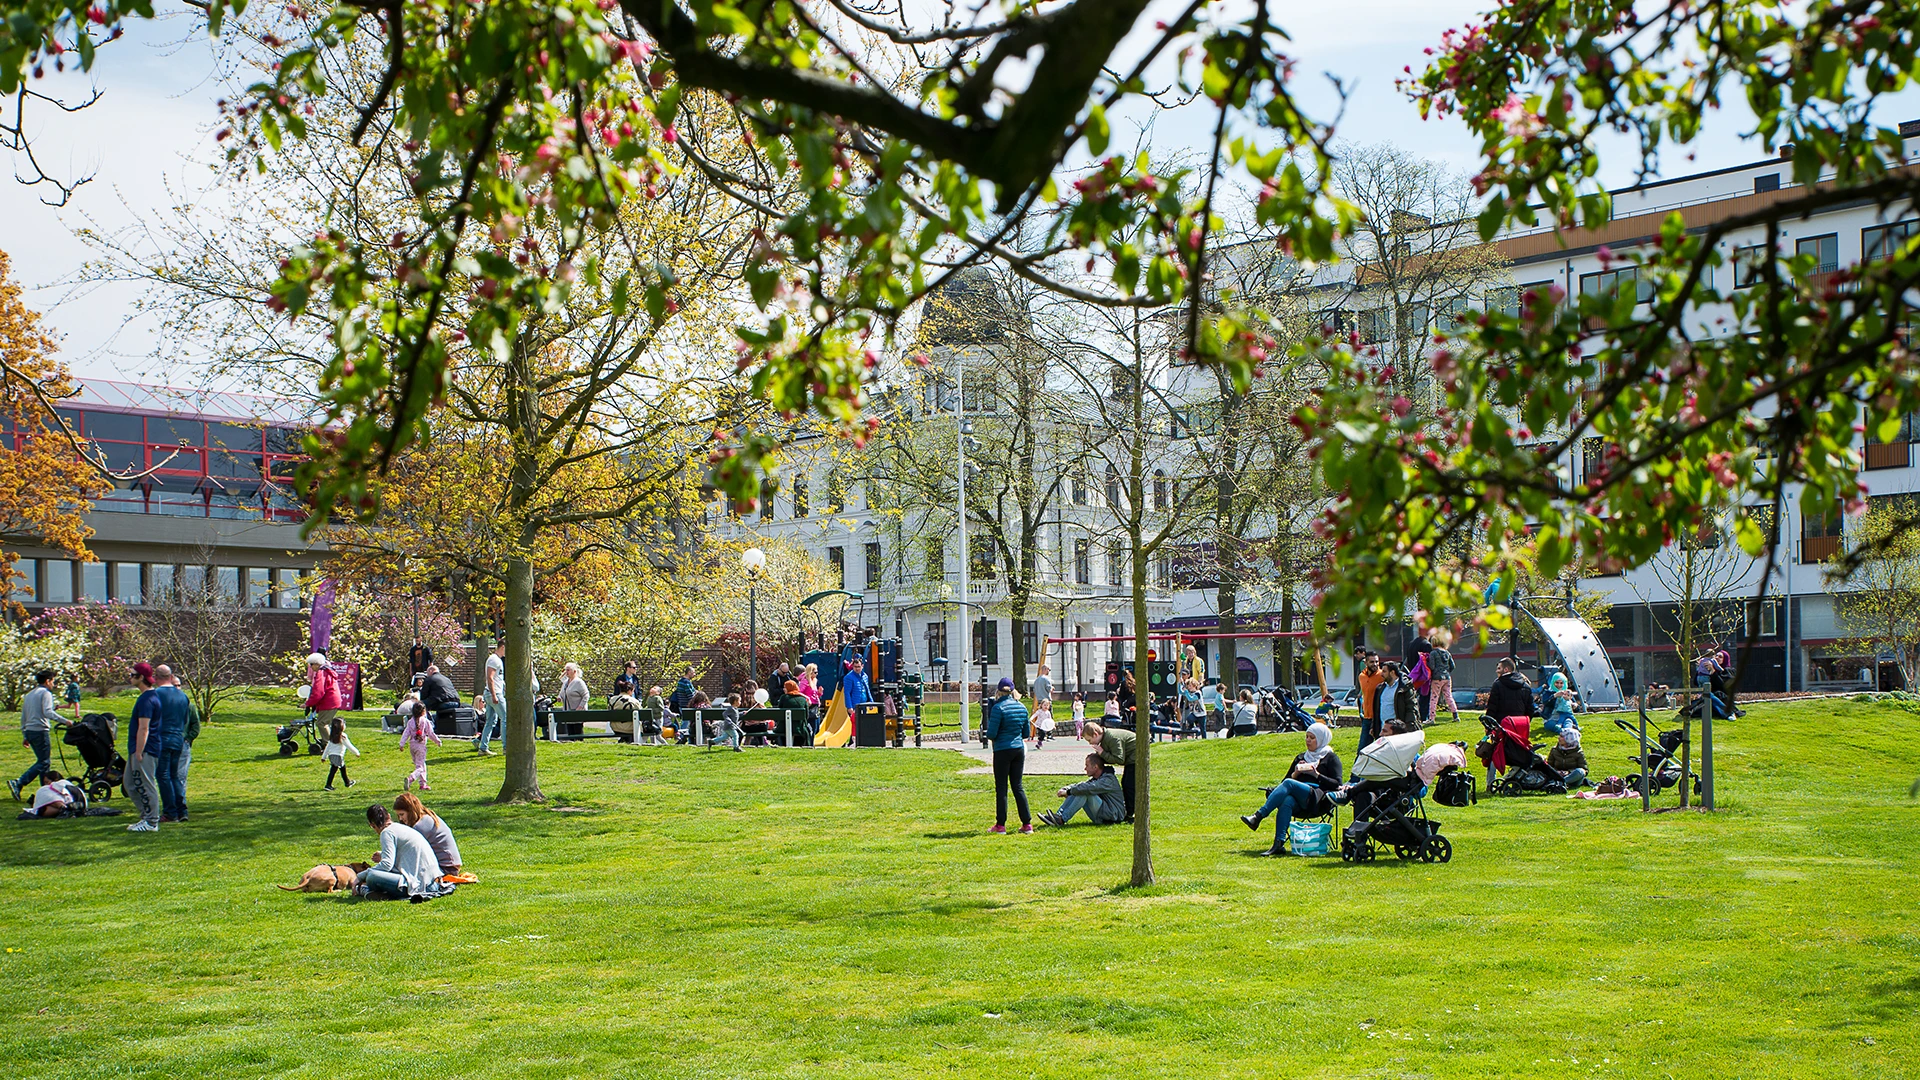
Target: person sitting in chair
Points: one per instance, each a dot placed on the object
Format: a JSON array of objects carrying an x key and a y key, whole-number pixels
[{"x": 1303, "y": 792}]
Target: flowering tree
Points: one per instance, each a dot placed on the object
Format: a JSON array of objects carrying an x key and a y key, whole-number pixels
[
  {"x": 113, "y": 635},
  {"x": 24, "y": 651}
]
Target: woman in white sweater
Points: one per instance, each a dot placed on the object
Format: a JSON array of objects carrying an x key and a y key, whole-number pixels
[{"x": 406, "y": 868}]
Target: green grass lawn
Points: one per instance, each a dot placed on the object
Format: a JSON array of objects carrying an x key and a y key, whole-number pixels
[{"x": 676, "y": 913}]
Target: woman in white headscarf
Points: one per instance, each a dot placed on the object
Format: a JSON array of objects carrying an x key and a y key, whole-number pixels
[{"x": 1304, "y": 791}]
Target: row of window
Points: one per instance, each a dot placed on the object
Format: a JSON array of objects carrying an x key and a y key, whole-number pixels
[{"x": 62, "y": 581}]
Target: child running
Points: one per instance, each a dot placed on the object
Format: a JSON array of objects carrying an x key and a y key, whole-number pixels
[
  {"x": 414, "y": 737},
  {"x": 336, "y": 751}
]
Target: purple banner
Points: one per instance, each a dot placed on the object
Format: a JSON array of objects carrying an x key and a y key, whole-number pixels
[{"x": 320, "y": 621}]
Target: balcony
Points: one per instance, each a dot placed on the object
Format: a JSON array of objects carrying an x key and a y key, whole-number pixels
[
  {"x": 1891, "y": 455},
  {"x": 1818, "y": 549}
]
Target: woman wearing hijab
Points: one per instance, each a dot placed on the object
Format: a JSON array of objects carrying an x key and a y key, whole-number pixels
[
  {"x": 1559, "y": 704},
  {"x": 1304, "y": 792}
]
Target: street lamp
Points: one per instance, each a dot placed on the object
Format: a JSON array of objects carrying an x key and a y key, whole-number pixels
[
  {"x": 963, "y": 435},
  {"x": 754, "y": 562}
]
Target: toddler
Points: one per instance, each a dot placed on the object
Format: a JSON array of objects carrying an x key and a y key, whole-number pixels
[{"x": 336, "y": 751}]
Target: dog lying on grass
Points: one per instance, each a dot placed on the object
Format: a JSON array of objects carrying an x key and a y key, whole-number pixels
[{"x": 327, "y": 878}]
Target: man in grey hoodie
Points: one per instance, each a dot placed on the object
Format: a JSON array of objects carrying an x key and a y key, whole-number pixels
[{"x": 1099, "y": 795}]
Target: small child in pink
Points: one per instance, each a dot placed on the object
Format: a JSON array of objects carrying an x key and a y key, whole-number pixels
[{"x": 414, "y": 738}]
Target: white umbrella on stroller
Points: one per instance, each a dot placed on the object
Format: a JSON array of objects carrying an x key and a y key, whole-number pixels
[{"x": 1390, "y": 758}]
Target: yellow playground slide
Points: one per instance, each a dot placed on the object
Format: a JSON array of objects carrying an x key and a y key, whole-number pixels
[{"x": 837, "y": 728}]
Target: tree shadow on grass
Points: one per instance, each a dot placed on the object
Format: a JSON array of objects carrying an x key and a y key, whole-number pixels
[{"x": 954, "y": 834}]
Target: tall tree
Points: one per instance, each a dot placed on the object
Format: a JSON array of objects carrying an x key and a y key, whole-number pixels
[
  {"x": 1876, "y": 588},
  {"x": 46, "y": 484}
]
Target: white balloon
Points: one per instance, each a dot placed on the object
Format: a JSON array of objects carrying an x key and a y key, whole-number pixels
[
  {"x": 303, "y": 692},
  {"x": 761, "y": 697}
]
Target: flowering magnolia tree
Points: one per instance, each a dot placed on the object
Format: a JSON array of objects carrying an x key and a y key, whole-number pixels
[
  {"x": 113, "y": 636},
  {"x": 24, "y": 651}
]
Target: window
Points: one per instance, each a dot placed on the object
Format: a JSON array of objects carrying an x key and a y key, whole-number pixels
[
  {"x": 1159, "y": 490},
  {"x": 1882, "y": 241},
  {"x": 1113, "y": 488},
  {"x": 259, "y": 587},
  {"x": 1083, "y": 562},
  {"x": 287, "y": 587},
  {"x": 1820, "y": 536},
  {"x": 937, "y": 640},
  {"x": 982, "y": 566},
  {"x": 1118, "y": 649},
  {"x": 126, "y": 583},
  {"x": 981, "y": 394},
  {"x": 1593, "y": 459},
  {"x": 1030, "y": 641},
  {"x": 799, "y": 496},
  {"x": 986, "y": 641},
  {"x": 1116, "y": 562},
  {"x": 767, "y": 491},
  {"x": 1763, "y": 618},
  {"x": 1706, "y": 538},
  {"x": 93, "y": 582},
  {"x": 936, "y": 558},
  {"x": 1120, "y": 381},
  {"x": 1894, "y": 453},
  {"x": 58, "y": 587},
  {"x": 159, "y": 582},
  {"x": 1415, "y": 320},
  {"x": 1762, "y": 518},
  {"x": 1373, "y": 326},
  {"x": 226, "y": 583},
  {"x": 1824, "y": 250},
  {"x": 26, "y": 585},
  {"x": 1609, "y": 282},
  {"x": 192, "y": 580},
  {"x": 875, "y": 576},
  {"x": 1749, "y": 266},
  {"x": 1769, "y": 182},
  {"x": 837, "y": 558},
  {"x": 1163, "y": 571},
  {"x": 1455, "y": 315},
  {"x": 836, "y": 492},
  {"x": 1079, "y": 485}
]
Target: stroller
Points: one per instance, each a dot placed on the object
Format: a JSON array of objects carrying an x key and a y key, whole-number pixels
[
  {"x": 1663, "y": 760},
  {"x": 1508, "y": 747},
  {"x": 1387, "y": 808},
  {"x": 307, "y": 728},
  {"x": 1286, "y": 710},
  {"x": 94, "y": 737}
]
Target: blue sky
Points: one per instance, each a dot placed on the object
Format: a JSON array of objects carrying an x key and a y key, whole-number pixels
[{"x": 148, "y": 143}]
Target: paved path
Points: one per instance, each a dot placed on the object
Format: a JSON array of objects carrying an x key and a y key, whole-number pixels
[{"x": 1059, "y": 757}]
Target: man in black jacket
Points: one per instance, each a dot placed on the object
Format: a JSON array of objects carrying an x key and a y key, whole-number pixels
[
  {"x": 436, "y": 690},
  {"x": 1511, "y": 695}
]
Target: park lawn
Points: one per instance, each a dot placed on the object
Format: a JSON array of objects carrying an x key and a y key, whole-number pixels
[{"x": 679, "y": 913}]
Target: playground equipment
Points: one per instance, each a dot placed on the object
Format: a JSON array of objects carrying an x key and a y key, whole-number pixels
[{"x": 1579, "y": 654}]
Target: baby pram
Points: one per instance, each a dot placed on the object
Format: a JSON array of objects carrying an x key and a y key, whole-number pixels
[
  {"x": 1387, "y": 808},
  {"x": 1509, "y": 749},
  {"x": 94, "y": 737},
  {"x": 1287, "y": 711},
  {"x": 1663, "y": 765},
  {"x": 307, "y": 728}
]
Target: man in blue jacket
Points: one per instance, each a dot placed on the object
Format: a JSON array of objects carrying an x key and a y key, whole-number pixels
[{"x": 1006, "y": 732}]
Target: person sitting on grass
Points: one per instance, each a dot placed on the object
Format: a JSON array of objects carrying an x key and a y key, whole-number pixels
[
  {"x": 408, "y": 810},
  {"x": 1314, "y": 774},
  {"x": 1099, "y": 795},
  {"x": 1567, "y": 758},
  {"x": 55, "y": 797},
  {"x": 405, "y": 868}
]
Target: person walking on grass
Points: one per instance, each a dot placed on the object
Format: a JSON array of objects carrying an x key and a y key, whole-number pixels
[
  {"x": 495, "y": 697},
  {"x": 323, "y": 690},
  {"x": 337, "y": 746},
  {"x": 414, "y": 735},
  {"x": 38, "y": 711},
  {"x": 186, "y": 747},
  {"x": 171, "y": 711},
  {"x": 1005, "y": 729},
  {"x": 1440, "y": 674}
]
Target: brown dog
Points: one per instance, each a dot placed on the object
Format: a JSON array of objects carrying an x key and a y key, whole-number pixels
[{"x": 327, "y": 878}]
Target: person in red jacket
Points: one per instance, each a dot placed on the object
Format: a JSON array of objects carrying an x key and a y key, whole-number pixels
[{"x": 323, "y": 690}]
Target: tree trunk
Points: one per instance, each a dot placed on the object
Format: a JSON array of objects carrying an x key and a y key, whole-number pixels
[
  {"x": 522, "y": 783},
  {"x": 1142, "y": 727},
  {"x": 1284, "y": 658}
]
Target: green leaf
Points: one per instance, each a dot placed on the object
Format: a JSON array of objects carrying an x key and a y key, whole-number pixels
[
  {"x": 1098, "y": 133},
  {"x": 668, "y": 107}
]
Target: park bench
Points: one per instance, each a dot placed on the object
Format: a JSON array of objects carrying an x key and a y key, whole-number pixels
[
  {"x": 784, "y": 723},
  {"x": 567, "y": 725}
]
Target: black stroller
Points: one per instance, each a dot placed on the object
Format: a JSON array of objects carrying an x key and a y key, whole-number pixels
[
  {"x": 1387, "y": 808},
  {"x": 1286, "y": 709},
  {"x": 95, "y": 737},
  {"x": 307, "y": 728},
  {"x": 1525, "y": 772}
]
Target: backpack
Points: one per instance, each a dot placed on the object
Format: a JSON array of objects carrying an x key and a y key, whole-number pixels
[{"x": 1455, "y": 788}]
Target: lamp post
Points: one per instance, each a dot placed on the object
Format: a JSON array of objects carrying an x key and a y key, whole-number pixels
[
  {"x": 963, "y": 431},
  {"x": 754, "y": 562}
]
